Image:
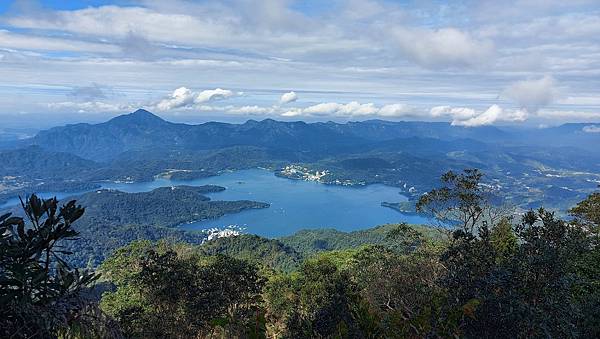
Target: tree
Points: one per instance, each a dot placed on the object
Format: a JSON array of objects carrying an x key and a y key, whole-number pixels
[
  {"x": 405, "y": 237},
  {"x": 462, "y": 200},
  {"x": 536, "y": 279},
  {"x": 40, "y": 294},
  {"x": 587, "y": 212},
  {"x": 316, "y": 302},
  {"x": 400, "y": 291},
  {"x": 546, "y": 275},
  {"x": 169, "y": 290},
  {"x": 587, "y": 216},
  {"x": 504, "y": 240}
]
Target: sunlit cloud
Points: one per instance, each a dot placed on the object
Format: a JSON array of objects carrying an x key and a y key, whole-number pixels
[
  {"x": 352, "y": 109},
  {"x": 288, "y": 97},
  {"x": 184, "y": 97},
  {"x": 468, "y": 117}
]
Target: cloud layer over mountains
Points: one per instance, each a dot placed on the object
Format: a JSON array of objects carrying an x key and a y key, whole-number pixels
[{"x": 483, "y": 62}]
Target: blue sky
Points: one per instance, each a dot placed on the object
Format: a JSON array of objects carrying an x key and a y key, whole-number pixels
[{"x": 471, "y": 63}]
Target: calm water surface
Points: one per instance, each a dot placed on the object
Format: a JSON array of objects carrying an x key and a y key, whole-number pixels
[{"x": 295, "y": 204}]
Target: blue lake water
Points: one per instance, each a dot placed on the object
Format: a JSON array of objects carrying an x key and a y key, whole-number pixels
[{"x": 295, "y": 204}]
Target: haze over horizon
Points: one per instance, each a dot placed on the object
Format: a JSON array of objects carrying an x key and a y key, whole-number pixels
[{"x": 471, "y": 63}]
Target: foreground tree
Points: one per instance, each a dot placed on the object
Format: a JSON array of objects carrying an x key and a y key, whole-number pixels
[
  {"x": 463, "y": 200},
  {"x": 41, "y": 296},
  {"x": 317, "y": 302},
  {"x": 169, "y": 291},
  {"x": 533, "y": 279},
  {"x": 400, "y": 295},
  {"x": 587, "y": 216}
]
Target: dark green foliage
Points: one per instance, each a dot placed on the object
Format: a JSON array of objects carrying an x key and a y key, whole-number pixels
[
  {"x": 406, "y": 237},
  {"x": 287, "y": 253},
  {"x": 143, "y": 165},
  {"x": 173, "y": 292},
  {"x": 365, "y": 163},
  {"x": 41, "y": 296},
  {"x": 534, "y": 279},
  {"x": 400, "y": 291},
  {"x": 308, "y": 242},
  {"x": 504, "y": 283},
  {"x": 587, "y": 216},
  {"x": 98, "y": 241},
  {"x": 190, "y": 175},
  {"x": 524, "y": 292},
  {"x": 588, "y": 210},
  {"x": 269, "y": 252},
  {"x": 317, "y": 302},
  {"x": 549, "y": 250},
  {"x": 164, "y": 206},
  {"x": 504, "y": 240}
]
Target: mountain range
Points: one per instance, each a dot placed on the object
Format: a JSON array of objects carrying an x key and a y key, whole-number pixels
[
  {"x": 143, "y": 130},
  {"x": 522, "y": 163}
]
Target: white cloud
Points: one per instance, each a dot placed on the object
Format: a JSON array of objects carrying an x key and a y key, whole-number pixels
[
  {"x": 580, "y": 100},
  {"x": 184, "y": 97},
  {"x": 459, "y": 113},
  {"x": 250, "y": 110},
  {"x": 288, "y": 97},
  {"x": 350, "y": 110},
  {"x": 568, "y": 26},
  {"x": 464, "y": 116},
  {"x": 442, "y": 48},
  {"x": 395, "y": 110},
  {"x": 213, "y": 94},
  {"x": 533, "y": 94},
  {"x": 490, "y": 116},
  {"x": 180, "y": 97},
  {"x": 293, "y": 112},
  {"x": 486, "y": 118},
  {"x": 591, "y": 129}
]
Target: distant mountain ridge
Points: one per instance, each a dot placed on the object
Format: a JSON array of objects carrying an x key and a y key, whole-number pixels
[
  {"x": 142, "y": 130},
  {"x": 521, "y": 163},
  {"x": 104, "y": 141}
]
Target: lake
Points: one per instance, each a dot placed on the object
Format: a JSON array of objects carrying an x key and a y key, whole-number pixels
[{"x": 295, "y": 204}]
